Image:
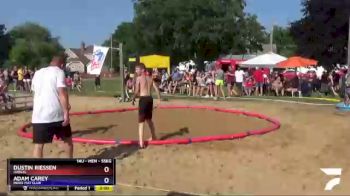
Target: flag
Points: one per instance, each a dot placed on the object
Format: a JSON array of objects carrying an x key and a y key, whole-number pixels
[{"x": 98, "y": 58}]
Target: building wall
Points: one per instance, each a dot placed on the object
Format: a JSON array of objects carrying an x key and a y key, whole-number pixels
[{"x": 76, "y": 66}]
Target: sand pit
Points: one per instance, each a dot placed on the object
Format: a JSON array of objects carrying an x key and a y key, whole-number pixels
[
  {"x": 175, "y": 125},
  {"x": 286, "y": 161}
]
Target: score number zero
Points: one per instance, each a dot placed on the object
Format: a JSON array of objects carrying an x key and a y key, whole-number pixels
[{"x": 106, "y": 170}]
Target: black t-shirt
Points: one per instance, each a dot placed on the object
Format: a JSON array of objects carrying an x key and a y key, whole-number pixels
[
  {"x": 324, "y": 78},
  {"x": 15, "y": 75},
  {"x": 127, "y": 77},
  {"x": 295, "y": 82},
  {"x": 336, "y": 78},
  {"x": 27, "y": 75}
]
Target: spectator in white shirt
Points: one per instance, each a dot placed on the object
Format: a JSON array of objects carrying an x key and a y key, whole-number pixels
[
  {"x": 51, "y": 108},
  {"x": 239, "y": 76}
]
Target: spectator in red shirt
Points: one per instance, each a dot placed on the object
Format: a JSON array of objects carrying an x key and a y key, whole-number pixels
[
  {"x": 248, "y": 85},
  {"x": 259, "y": 80},
  {"x": 230, "y": 81}
]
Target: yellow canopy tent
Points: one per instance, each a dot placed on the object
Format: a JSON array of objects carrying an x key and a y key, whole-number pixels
[{"x": 156, "y": 61}]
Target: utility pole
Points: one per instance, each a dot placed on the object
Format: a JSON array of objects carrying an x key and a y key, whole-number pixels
[
  {"x": 111, "y": 51},
  {"x": 121, "y": 66},
  {"x": 271, "y": 39}
]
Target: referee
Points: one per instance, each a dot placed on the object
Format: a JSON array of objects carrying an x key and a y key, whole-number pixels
[{"x": 51, "y": 108}]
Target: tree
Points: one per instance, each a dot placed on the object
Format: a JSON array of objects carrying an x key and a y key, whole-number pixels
[
  {"x": 125, "y": 33},
  {"x": 33, "y": 45},
  {"x": 199, "y": 29},
  {"x": 323, "y": 31},
  {"x": 4, "y": 44},
  {"x": 253, "y": 35}
]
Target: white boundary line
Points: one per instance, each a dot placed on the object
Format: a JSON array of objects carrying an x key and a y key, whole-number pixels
[
  {"x": 284, "y": 101},
  {"x": 259, "y": 99}
]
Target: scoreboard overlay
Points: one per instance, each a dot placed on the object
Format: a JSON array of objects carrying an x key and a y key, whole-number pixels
[{"x": 61, "y": 174}]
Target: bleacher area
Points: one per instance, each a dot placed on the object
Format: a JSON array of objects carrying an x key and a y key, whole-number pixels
[{"x": 18, "y": 101}]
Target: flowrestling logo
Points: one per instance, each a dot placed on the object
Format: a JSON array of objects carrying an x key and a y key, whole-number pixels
[{"x": 336, "y": 172}]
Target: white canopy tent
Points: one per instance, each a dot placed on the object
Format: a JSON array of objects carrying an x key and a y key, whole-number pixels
[{"x": 268, "y": 60}]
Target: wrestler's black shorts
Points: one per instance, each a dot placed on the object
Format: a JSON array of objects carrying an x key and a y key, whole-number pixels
[
  {"x": 145, "y": 108},
  {"x": 44, "y": 132}
]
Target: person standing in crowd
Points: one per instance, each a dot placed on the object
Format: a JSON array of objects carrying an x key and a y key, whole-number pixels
[
  {"x": 97, "y": 82},
  {"x": 219, "y": 83},
  {"x": 156, "y": 76},
  {"x": 258, "y": 75},
  {"x": 201, "y": 84},
  {"x": 77, "y": 81},
  {"x": 14, "y": 76},
  {"x": 3, "y": 90},
  {"x": 6, "y": 76},
  {"x": 51, "y": 108},
  {"x": 130, "y": 86},
  {"x": 346, "y": 87},
  {"x": 194, "y": 82},
  {"x": 324, "y": 83},
  {"x": 210, "y": 83},
  {"x": 336, "y": 79},
  {"x": 176, "y": 79},
  {"x": 331, "y": 83},
  {"x": 20, "y": 82},
  {"x": 230, "y": 81},
  {"x": 26, "y": 79},
  {"x": 239, "y": 76},
  {"x": 164, "y": 81}
]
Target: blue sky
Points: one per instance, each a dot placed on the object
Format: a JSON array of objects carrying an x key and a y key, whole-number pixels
[{"x": 92, "y": 21}]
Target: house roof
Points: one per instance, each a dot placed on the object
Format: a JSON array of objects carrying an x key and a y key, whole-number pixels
[
  {"x": 89, "y": 49},
  {"x": 81, "y": 55}
]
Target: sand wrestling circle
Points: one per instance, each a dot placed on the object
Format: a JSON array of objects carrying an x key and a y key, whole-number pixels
[{"x": 175, "y": 125}]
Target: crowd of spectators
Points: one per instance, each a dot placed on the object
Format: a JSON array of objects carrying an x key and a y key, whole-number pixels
[{"x": 219, "y": 83}]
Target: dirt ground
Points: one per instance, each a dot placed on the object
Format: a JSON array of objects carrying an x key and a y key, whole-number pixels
[
  {"x": 287, "y": 161},
  {"x": 175, "y": 123}
]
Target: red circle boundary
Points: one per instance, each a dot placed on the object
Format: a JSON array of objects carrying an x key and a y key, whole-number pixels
[{"x": 22, "y": 132}]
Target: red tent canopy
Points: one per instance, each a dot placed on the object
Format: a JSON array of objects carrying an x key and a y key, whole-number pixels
[
  {"x": 296, "y": 61},
  {"x": 232, "y": 62}
]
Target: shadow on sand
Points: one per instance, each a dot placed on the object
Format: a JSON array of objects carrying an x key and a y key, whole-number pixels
[
  {"x": 118, "y": 152},
  {"x": 180, "y": 132},
  {"x": 123, "y": 151},
  {"x": 172, "y": 193},
  {"x": 92, "y": 130}
]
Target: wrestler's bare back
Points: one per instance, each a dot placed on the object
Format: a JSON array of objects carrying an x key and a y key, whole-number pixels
[{"x": 144, "y": 84}]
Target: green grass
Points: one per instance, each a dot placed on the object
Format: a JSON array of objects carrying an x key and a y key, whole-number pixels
[{"x": 111, "y": 87}]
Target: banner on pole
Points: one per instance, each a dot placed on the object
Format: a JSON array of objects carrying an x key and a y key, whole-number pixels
[{"x": 98, "y": 58}]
